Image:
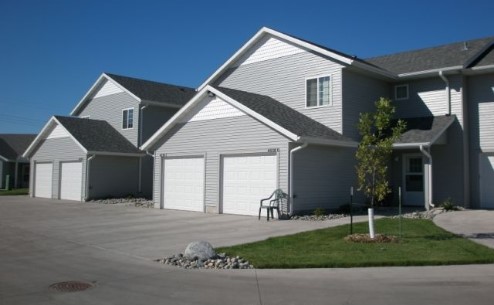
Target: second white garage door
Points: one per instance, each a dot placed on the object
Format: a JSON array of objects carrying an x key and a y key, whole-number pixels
[
  {"x": 246, "y": 180},
  {"x": 486, "y": 165},
  {"x": 43, "y": 174},
  {"x": 183, "y": 184},
  {"x": 71, "y": 181}
]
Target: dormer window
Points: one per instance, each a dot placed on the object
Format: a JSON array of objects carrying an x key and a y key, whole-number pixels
[
  {"x": 318, "y": 91},
  {"x": 128, "y": 118},
  {"x": 401, "y": 92}
]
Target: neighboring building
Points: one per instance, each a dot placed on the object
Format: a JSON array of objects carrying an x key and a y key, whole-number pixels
[
  {"x": 282, "y": 112},
  {"x": 12, "y": 164},
  {"x": 94, "y": 153}
]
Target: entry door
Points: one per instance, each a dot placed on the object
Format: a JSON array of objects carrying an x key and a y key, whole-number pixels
[
  {"x": 413, "y": 180},
  {"x": 486, "y": 164}
]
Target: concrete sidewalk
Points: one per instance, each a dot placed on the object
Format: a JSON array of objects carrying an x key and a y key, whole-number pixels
[{"x": 478, "y": 225}]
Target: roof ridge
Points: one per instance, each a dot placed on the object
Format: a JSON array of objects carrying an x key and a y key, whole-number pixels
[{"x": 112, "y": 75}]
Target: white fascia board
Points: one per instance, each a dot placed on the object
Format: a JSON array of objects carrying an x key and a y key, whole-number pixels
[
  {"x": 410, "y": 145},
  {"x": 38, "y": 138},
  {"x": 4, "y": 159},
  {"x": 160, "y": 104},
  {"x": 263, "y": 31},
  {"x": 481, "y": 69},
  {"x": 122, "y": 87},
  {"x": 105, "y": 153},
  {"x": 430, "y": 72},
  {"x": 328, "y": 142},
  {"x": 94, "y": 86},
  {"x": 173, "y": 120},
  {"x": 254, "y": 114},
  {"x": 71, "y": 136},
  {"x": 88, "y": 93}
]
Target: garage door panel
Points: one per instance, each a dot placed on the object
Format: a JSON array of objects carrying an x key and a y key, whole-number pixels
[
  {"x": 71, "y": 181},
  {"x": 246, "y": 180},
  {"x": 486, "y": 181},
  {"x": 43, "y": 180},
  {"x": 183, "y": 184}
]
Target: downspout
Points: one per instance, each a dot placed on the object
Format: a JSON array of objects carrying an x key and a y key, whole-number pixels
[
  {"x": 88, "y": 162},
  {"x": 429, "y": 176},
  {"x": 448, "y": 91},
  {"x": 298, "y": 148}
]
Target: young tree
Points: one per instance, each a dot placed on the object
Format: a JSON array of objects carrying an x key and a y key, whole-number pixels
[{"x": 374, "y": 153}]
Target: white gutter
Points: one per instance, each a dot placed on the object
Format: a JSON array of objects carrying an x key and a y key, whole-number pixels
[
  {"x": 428, "y": 202},
  {"x": 298, "y": 148},
  {"x": 88, "y": 162},
  {"x": 448, "y": 91}
]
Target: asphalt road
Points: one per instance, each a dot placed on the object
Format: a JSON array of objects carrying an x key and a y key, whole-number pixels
[{"x": 113, "y": 247}]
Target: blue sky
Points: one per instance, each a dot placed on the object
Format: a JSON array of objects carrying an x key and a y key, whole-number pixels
[{"x": 51, "y": 52}]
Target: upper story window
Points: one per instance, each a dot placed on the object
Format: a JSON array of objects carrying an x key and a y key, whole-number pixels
[
  {"x": 128, "y": 118},
  {"x": 401, "y": 92},
  {"x": 318, "y": 91}
]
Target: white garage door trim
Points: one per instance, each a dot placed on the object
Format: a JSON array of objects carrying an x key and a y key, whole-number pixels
[
  {"x": 43, "y": 180},
  {"x": 246, "y": 179},
  {"x": 71, "y": 180},
  {"x": 183, "y": 183},
  {"x": 486, "y": 180}
]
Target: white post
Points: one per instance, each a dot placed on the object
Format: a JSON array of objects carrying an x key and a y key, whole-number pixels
[{"x": 371, "y": 223}]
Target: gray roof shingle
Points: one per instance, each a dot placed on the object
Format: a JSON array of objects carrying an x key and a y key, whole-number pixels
[
  {"x": 154, "y": 91},
  {"x": 12, "y": 146},
  {"x": 425, "y": 129},
  {"x": 97, "y": 135},
  {"x": 449, "y": 55},
  {"x": 284, "y": 116}
]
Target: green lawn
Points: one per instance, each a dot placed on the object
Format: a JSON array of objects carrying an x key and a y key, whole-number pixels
[
  {"x": 14, "y": 192},
  {"x": 422, "y": 243}
]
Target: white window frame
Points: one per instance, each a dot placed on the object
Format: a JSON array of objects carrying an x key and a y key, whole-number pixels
[
  {"x": 330, "y": 91},
  {"x": 85, "y": 117},
  {"x": 396, "y": 92},
  {"x": 123, "y": 111}
]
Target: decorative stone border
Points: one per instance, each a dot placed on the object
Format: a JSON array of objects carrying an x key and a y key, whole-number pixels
[{"x": 221, "y": 261}]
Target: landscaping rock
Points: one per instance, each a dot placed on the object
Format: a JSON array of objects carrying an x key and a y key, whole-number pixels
[
  {"x": 201, "y": 250},
  {"x": 318, "y": 218},
  {"x": 137, "y": 202},
  {"x": 217, "y": 262}
]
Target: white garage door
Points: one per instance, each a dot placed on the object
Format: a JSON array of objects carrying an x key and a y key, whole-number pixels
[
  {"x": 71, "y": 180},
  {"x": 246, "y": 180},
  {"x": 486, "y": 181},
  {"x": 43, "y": 174},
  {"x": 183, "y": 184}
]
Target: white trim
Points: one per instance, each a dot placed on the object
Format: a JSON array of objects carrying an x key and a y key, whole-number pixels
[
  {"x": 4, "y": 159},
  {"x": 328, "y": 142},
  {"x": 106, "y": 153},
  {"x": 122, "y": 125},
  {"x": 267, "y": 31},
  {"x": 95, "y": 87},
  {"x": 432, "y": 71},
  {"x": 317, "y": 91},
  {"x": 161, "y": 104},
  {"x": 396, "y": 92},
  {"x": 44, "y": 132},
  {"x": 410, "y": 145},
  {"x": 196, "y": 99}
]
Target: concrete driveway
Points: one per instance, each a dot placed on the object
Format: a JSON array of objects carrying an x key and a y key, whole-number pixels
[{"x": 45, "y": 242}]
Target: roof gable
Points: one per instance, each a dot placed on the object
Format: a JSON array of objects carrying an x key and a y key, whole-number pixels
[
  {"x": 278, "y": 44},
  {"x": 143, "y": 91},
  {"x": 281, "y": 118},
  {"x": 92, "y": 136}
]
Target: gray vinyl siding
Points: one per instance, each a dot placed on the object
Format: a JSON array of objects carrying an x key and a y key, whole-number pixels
[
  {"x": 153, "y": 117},
  {"x": 213, "y": 138},
  {"x": 113, "y": 176},
  {"x": 481, "y": 113},
  {"x": 360, "y": 93},
  {"x": 323, "y": 177},
  {"x": 109, "y": 108},
  {"x": 56, "y": 151},
  {"x": 147, "y": 177},
  {"x": 427, "y": 97},
  {"x": 284, "y": 79}
]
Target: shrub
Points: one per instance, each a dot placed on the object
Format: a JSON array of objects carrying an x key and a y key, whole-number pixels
[
  {"x": 448, "y": 205},
  {"x": 319, "y": 212}
]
